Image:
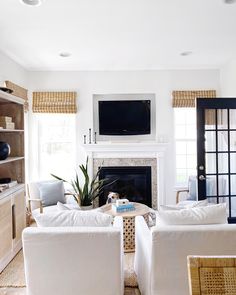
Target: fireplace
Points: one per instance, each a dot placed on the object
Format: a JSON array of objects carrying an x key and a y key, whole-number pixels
[{"x": 132, "y": 183}]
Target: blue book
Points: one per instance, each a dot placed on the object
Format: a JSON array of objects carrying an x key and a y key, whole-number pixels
[
  {"x": 129, "y": 205},
  {"x": 123, "y": 208}
]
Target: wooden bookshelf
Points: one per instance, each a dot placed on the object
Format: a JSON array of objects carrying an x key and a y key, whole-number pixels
[{"x": 12, "y": 200}]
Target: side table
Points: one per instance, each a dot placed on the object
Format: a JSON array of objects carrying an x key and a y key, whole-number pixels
[{"x": 129, "y": 222}]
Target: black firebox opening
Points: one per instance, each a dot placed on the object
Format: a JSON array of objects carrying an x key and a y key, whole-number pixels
[{"x": 132, "y": 183}]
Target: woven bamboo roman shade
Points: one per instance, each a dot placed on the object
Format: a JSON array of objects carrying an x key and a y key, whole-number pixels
[
  {"x": 187, "y": 99},
  {"x": 54, "y": 102}
]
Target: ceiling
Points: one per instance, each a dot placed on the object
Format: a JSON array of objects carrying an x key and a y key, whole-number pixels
[{"x": 118, "y": 34}]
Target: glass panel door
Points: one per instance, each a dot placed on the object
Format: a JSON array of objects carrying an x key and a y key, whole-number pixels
[{"x": 216, "y": 142}]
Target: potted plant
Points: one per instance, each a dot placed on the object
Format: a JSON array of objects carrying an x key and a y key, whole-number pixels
[{"x": 85, "y": 194}]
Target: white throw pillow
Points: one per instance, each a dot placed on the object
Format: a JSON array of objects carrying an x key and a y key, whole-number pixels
[
  {"x": 185, "y": 205},
  {"x": 51, "y": 192},
  {"x": 212, "y": 214},
  {"x": 73, "y": 218},
  {"x": 64, "y": 207}
]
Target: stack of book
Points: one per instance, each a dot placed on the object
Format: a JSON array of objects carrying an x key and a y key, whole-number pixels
[
  {"x": 6, "y": 122},
  {"x": 123, "y": 208}
]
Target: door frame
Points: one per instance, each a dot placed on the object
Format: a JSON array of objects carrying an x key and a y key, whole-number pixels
[{"x": 202, "y": 104}]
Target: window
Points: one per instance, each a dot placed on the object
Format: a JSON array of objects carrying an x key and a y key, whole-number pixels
[
  {"x": 185, "y": 140},
  {"x": 56, "y": 145}
]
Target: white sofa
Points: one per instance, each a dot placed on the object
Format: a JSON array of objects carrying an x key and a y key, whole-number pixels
[
  {"x": 161, "y": 253},
  {"x": 74, "y": 260}
]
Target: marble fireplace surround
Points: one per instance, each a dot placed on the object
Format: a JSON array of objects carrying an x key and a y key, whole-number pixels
[{"x": 132, "y": 154}]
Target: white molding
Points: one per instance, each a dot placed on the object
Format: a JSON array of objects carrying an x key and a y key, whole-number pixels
[
  {"x": 132, "y": 150},
  {"x": 126, "y": 147}
]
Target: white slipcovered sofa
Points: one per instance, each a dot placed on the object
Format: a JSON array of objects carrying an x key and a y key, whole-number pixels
[
  {"x": 161, "y": 253},
  {"x": 74, "y": 260}
]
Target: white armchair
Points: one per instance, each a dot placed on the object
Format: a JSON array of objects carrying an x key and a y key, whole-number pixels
[
  {"x": 161, "y": 253},
  {"x": 35, "y": 202},
  {"x": 74, "y": 260}
]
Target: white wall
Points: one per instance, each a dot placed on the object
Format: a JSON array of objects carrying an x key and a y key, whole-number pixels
[
  {"x": 10, "y": 70},
  {"x": 228, "y": 79},
  {"x": 159, "y": 82}
]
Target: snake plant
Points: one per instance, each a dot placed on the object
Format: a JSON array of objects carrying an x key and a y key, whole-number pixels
[{"x": 87, "y": 192}]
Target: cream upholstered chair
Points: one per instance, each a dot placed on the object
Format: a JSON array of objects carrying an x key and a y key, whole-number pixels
[
  {"x": 161, "y": 253},
  {"x": 74, "y": 260},
  {"x": 35, "y": 203},
  {"x": 190, "y": 192},
  {"x": 212, "y": 275}
]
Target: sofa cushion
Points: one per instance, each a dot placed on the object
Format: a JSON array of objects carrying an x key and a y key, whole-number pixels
[
  {"x": 66, "y": 207},
  {"x": 73, "y": 218},
  {"x": 51, "y": 192},
  {"x": 48, "y": 210},
  {"x": 212, "y": 214},
  {"x": 185, "y": 205}
]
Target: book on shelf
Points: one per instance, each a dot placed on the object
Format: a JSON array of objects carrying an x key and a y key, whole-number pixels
[
  {"x": 5, "y": 119},
  {"x": 7, "y": 125}
]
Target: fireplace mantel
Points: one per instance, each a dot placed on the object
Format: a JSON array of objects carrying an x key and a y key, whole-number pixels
[
  {"x": 131, "y": 150},
  {"x": 126, "y": 147}
]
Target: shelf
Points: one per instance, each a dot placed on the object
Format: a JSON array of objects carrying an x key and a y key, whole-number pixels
[
  {"x": 11, "y": 159},
  {"x": 11, "y": 130},
  {"x": 6, "y": 97},
  {"x": 8, "y": 191}
]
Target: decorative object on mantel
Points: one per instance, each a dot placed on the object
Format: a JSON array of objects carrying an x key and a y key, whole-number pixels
[
  {"x": 54, "y": 102},
  {"x": 19, "y": 92},
  {"x": 87, "y": 193},
  {"x": 4, "y": 150},
  {"x": 90, "y": 136},
  {"x": 95, "y": 137}
]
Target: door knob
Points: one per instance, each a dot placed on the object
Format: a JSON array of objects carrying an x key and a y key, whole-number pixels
[{"x": 201, "y": 177}]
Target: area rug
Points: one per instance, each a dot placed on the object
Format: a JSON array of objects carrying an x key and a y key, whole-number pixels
[
  {"x": 130, "y": 276},
  {"x": 13, "y": 274}
]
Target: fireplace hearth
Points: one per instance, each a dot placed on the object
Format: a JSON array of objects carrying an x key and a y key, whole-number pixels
[{"x": 132, "y": 183}]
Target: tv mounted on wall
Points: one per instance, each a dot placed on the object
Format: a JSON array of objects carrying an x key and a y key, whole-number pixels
[{"x": 124, "y": 117}]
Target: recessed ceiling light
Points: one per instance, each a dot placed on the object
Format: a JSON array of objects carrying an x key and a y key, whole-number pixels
[
  {"x": 230, "y": 1},
  {"x": 32, "y": 2},
  {"x": 186, "y": 53},
  {"x": 65, "y": 54}
]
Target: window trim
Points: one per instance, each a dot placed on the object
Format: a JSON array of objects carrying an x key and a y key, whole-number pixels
[{"x": 185, "y": 140}]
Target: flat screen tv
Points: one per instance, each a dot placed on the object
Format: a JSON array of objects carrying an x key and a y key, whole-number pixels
[{"x": 124, "y": 117}]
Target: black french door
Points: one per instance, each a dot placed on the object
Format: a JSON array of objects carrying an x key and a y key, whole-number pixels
[{"x": 216, "y": 152}]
